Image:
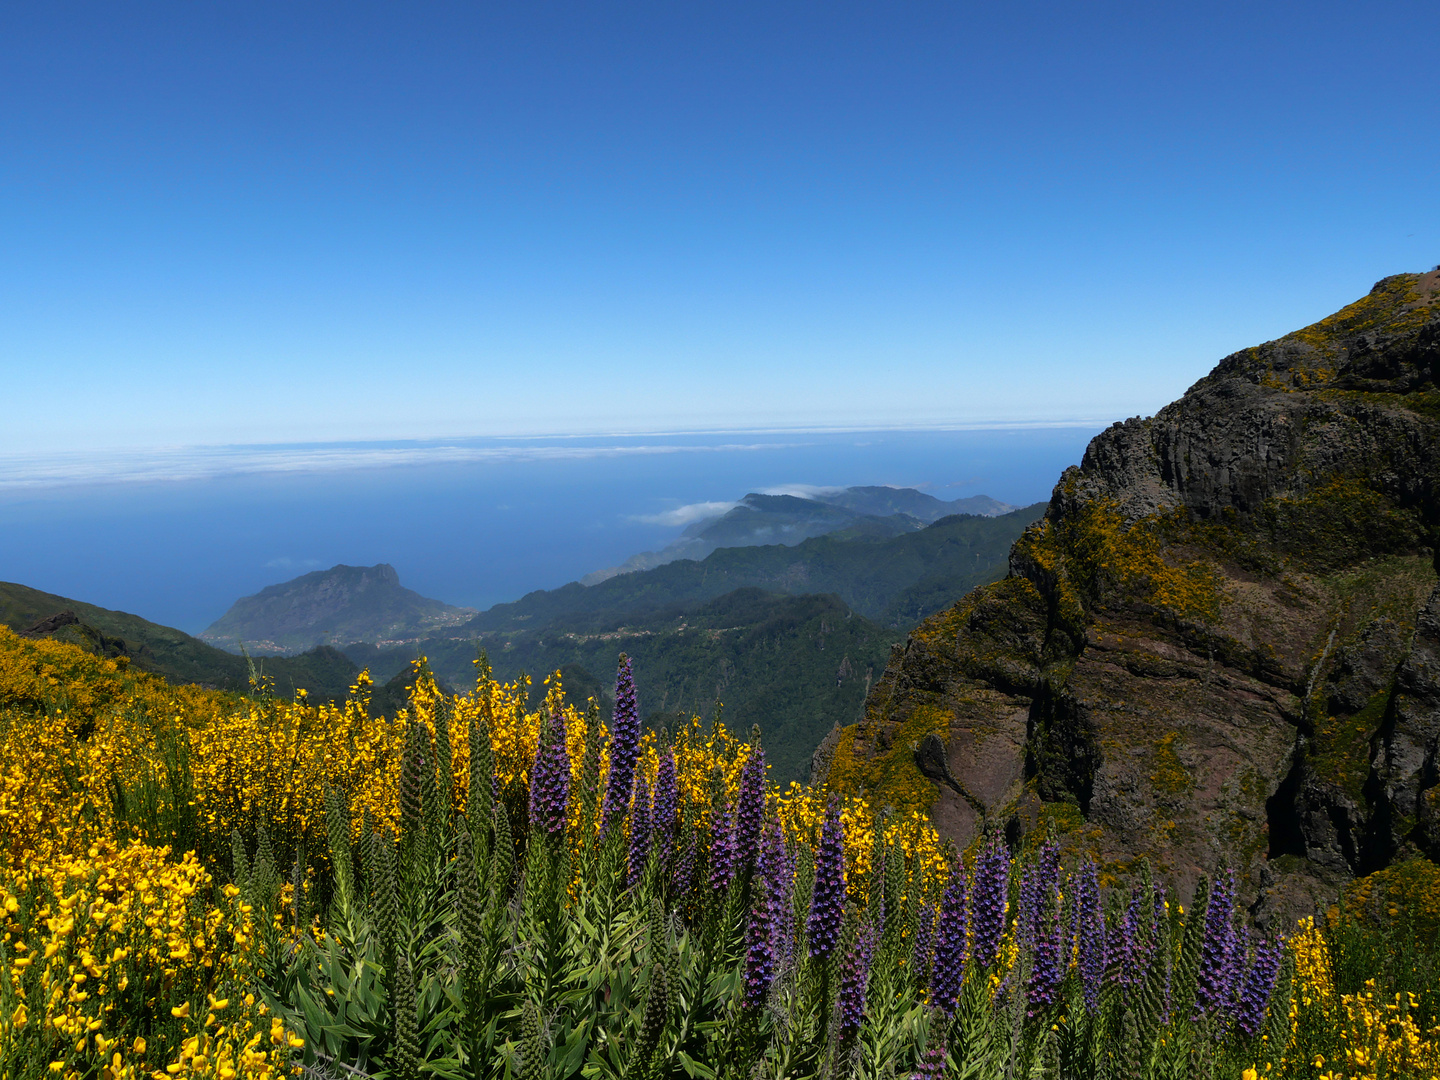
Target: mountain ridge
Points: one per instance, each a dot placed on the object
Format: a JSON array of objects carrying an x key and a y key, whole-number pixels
[
  {"x": 764, "y": 518},
  {"x": 961, "y": 550}
]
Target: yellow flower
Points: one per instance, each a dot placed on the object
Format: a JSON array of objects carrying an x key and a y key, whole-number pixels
[{"x": 180, "y": 1012}]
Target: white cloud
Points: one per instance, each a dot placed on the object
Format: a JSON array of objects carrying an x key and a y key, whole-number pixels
[
  {"x": 207, "y": 462},
  {"x": 687, "y": 515},
  {"x": 802, "y": 491}
]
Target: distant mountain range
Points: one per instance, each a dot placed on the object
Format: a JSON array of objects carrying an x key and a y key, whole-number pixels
[
  {"x": 339, "y": 606},
  {"x": 789, "y": 634},
  {"x": 758, "y": 519},
  {"x": 896, "y": 579},
  {"x": 786, "y": 637}
]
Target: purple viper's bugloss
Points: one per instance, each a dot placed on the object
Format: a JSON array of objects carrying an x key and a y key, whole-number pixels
[
  {"x": 778, "y": 872},
  {"x": 624, "y": 748},
  {"x": 1047, "y": 964},
  {"x": 1149, "y": 940},
  {"x": 667, "y": 803},
  {"x": 1047, "y": 881},
  {"x": 722, "y": 851},
  {"x": 550, "y": 778},
  {"x": 1236, "y": 968},
  {"x": 947, "y": 973},
  {"x": 759, "y": 948},
  {"x": 932, "y": 1065},
  {"x": 639, "y": 832},
  {"x": 1027, "y": 913},
  {"x": 924, "y": 947},
  {"x": 1120, "y": 950},
  {"x": 987, "y": 903},
  {"x": 1089, "y": 933},
  {"x": 1259, "y": 982},
  {"x": 1211, "y": 983},
  {"x": 683, "y": 879},
  {"x": 750, "y": 810},
  {"x": 827, "y": 901},
  {"x": 1038, "y": 883},
  {"x": 854, "y": 978}
]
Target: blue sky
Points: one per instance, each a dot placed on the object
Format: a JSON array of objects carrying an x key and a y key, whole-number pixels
[{"x": 256, "y": 222}]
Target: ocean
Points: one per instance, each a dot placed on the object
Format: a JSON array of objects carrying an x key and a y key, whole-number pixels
[{"x": 177, "y": 536}]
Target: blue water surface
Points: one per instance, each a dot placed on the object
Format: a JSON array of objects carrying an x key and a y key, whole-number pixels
[{"x": 534, "y": 514}]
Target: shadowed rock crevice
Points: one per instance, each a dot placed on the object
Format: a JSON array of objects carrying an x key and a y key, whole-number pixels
[{"x": 1281, "y": 817}]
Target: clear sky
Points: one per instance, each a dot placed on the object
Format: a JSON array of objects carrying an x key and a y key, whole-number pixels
[{"x": 253, "y": 222}]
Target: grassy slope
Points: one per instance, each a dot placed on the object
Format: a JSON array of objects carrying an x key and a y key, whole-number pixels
[{"x": 325, "y": 673}]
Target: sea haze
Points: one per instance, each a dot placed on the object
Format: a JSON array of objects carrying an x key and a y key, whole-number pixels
[{"x": 177, "y": 536}]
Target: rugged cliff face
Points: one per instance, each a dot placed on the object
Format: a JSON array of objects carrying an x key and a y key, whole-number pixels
[{"x": 1222, "y": 642}]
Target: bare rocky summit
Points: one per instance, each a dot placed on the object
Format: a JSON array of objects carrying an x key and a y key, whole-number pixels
[{"x": 1221, "y": 645}]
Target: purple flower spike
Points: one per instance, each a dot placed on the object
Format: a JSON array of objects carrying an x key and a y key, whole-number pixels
[
  {"x": 827, "y": 902},
  {"x": 759, "y": 949},
  {"x": 1047, "y": 968},
  {"x": 1047, "y": 880},
  {"x": 1259, "y": 982},
  {"x": 1210, "y": 983},
  {"x": 987, "y": 905},
  {"x": 683, "y": 880},
  {"x": 722, "y": 851},
  {"x": 624, "y": 748},
  {"x": 932, "y": 1065},
  {"x": 1120, "y": 952},
  {"x": 1090, "y": 933},
  {"x": 667, "y": 801},
  {"x": 948, "y": 973},
  {"x": 1027, "y": 917},
  {"x": 924, "y": 947},
  {"x": 750, "y": 810},
  {"x": 1235, "y": 970},
  {"x": 550, "y": 778},
  {"x": 639, "y": 832},
  {"x": 778, "y": 873},
  {"x": 854, "y": 980},
  {"x": 1145, "y": 949}
]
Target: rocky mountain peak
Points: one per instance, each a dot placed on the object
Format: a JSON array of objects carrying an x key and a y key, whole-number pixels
[
  {"x": 339, "y": 606},
  {"x": 1213, "y": 645}
]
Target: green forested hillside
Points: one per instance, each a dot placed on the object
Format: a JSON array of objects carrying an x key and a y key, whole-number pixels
[
  {"x": 795, "y": 665},
  {"x": 895, "y": 580},
  {"x": 324, "y": 672}
]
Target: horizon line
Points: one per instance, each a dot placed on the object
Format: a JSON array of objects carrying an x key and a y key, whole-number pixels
[{"x": 179, "y": 462}]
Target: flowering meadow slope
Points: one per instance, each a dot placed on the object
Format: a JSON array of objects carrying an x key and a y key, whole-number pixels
[{"x": 202, "y": 884}]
